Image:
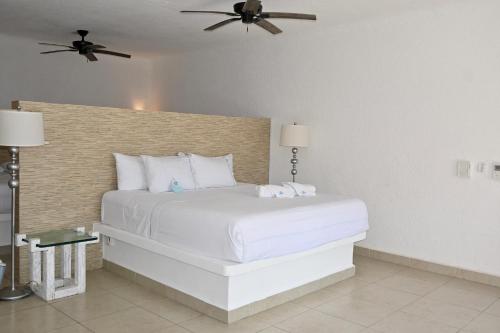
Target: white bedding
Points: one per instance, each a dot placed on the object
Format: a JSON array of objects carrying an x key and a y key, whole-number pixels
[
  {"x": 233, "y": 223},
  {"x": 5, "y": 193}
]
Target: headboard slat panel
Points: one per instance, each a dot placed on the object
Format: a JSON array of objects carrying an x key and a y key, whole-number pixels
[{"x": 62, "y": 183}]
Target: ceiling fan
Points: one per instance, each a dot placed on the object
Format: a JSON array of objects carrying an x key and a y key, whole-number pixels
[
  {"x": 251, "y": 12},
  {"x": 85, "y": 48}
]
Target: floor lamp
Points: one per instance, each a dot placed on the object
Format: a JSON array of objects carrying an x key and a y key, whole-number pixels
[
  {"x": 294, "y": 136},
  {"x": 17, "y": 129}
]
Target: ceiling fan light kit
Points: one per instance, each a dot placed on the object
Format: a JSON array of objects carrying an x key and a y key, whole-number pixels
[
  {"x": 85, "y": 48},
  {"x": 250, "y": 12}
]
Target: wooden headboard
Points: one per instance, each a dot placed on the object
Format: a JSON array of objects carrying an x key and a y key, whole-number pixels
[{"x": 62, "y": 182}]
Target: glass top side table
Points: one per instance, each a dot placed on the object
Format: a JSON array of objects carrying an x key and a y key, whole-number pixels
[
  {"x": 43, "y": 281},
  {"x": 60, "y": 237}
]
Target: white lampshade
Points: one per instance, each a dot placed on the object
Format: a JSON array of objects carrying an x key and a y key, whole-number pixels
[
  {"x": 294, "y": 136},
  {"x": 21, "y": 129}
]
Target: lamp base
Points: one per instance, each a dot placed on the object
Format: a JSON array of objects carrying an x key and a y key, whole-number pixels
[{"x": 7, "y": 294}]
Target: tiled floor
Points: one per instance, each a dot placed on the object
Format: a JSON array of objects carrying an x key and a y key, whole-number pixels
[{"x": 383, "y": 297}]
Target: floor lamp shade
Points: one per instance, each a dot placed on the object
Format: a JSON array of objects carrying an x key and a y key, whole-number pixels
[
  {"x": 294, "y": 136},
  {"x": 21, "y": 129}
]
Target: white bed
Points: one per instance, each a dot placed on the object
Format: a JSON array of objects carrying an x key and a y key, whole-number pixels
[
  {"x": 233, "y": 223},
  {"x": 230, "y": 249}
]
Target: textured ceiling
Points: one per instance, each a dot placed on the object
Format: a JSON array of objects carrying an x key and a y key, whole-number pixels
[{"x": 156, "y": 27}]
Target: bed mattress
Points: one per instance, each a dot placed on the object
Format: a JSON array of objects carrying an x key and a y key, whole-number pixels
[
  {"x": 5, "y": 195},
  {"x": 233, "y": 223}
]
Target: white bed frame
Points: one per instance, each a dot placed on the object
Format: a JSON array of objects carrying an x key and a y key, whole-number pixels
[{"x": 223, "y": 284}]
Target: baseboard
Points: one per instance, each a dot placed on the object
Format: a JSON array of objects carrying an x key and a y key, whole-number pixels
[
  {"x": 429, "y": 266},
  {"x": 221, "y": 314}
]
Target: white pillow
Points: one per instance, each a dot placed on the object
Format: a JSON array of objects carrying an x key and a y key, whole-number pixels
[
  {"x": 228, "y": 157},
  {"x": 212, "y": 171},
  {"x": 130, "y": 172},
  {"x": 160, "y": 171}
]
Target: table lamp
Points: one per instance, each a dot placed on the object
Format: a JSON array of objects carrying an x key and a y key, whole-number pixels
[
  {"x": 294, "y": 136},
  {"x": 17, "y": 129}
]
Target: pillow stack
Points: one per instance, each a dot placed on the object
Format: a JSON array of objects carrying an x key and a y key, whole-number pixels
[{"x": 173, "y": 173}]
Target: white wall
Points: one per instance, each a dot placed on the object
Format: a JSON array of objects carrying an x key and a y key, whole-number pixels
[
  {"x": 68, "y": 78},
  {"x": 392, "y": 103}
]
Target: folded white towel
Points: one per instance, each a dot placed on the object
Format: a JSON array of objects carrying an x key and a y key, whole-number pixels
[
  {"x": 275, "y": 191},
  {"x": 302, "y": 190}
]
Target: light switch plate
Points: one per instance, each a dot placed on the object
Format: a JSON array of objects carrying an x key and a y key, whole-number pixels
[{"x": 464, "y": 169}]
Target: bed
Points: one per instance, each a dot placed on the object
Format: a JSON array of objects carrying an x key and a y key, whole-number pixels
[
  {"x": 233, "y": 223},
  {"x": 230, "y": 242}
]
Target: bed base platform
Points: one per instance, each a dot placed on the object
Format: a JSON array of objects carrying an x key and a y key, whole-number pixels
[{"x": 225, "y": 290}]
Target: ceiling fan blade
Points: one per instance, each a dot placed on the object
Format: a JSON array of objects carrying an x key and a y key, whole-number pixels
[
  {"x": 268, "y": 26},
  {"x": 251, "y": 6},
  {"x": 50, "y": 44},
  {"x": 296, "y": 16},
  {"x": 56, "y": 51},
  {"x": 117, "y": 54},
  {"x": 90, "y": 56},
  {"x": 209, "y": 12},
  {"x": 95, "y": 46},
  {"x": 221, "y": 24}
]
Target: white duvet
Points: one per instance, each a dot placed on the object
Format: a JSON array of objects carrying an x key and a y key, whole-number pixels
[{"x": 233, "y": 223}]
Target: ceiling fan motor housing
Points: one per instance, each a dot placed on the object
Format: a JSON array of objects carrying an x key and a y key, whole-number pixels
[{"x": 246, "y": 17}]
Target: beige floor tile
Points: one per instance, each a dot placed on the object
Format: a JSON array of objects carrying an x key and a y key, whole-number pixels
[
  {"x": 316, "y": 298},
  {"x": 39, "y": 319},
  {"x": 448, "y": 314},
  {"x": 105, "y": 280},
  {"x": 173, "y": 329},
  {"x": 401, "y": 322},
  {"x": 327, "y": 294},
  {"x": 133, "y": 320},
  {"x": 392, "y": 299},
  {"x": 494, "y": 309},
  {"x": 72, "y": 329},
  {"x": 168, "y": 309},
  {"x": 272, "y": 330},
  {"x": 89, "y": 306},
  {"x": 355, "y": 310},
  {"x": 314, "y": 321},
  {"x": 455, "y": 294},
  {"x": 347, "y": 286},
  {"x": 204, "y": 324},
  {"x": 134, "y": 293},
  {"x": 414, "y": 281},
  {"x": 475, "y": 287},
  {"x": 280, "y": 313},
  {"x": 485, "y": 323},
  {"x": 22, "y": 304},
  {"x": 374, "y": 270}
]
